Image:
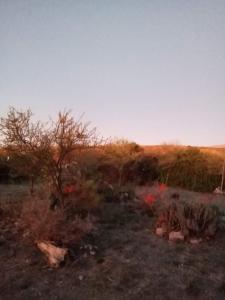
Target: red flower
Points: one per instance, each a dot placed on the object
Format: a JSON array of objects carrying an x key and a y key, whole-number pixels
[
  {"x": 69, "y": 189},
  {"x": 149, "y": 199},
  {"x": 162, "y": 187}
]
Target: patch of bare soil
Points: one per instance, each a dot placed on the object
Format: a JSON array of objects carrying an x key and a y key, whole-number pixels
[{"x": 126, "y": 261}]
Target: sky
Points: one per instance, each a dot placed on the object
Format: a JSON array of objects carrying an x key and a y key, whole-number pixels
[{"x": 151, "y": 71}]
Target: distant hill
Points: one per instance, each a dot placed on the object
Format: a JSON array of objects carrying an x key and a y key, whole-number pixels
[{"x": 219, "y": 146}]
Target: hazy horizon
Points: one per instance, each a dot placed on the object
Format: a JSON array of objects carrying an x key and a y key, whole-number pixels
[{"x": 152, "y": 72}]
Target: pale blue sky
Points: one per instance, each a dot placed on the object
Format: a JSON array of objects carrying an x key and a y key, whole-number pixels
[{"x": 152, "y": 71}]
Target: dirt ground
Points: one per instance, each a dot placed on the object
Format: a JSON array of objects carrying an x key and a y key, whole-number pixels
[{"x": 130, "y": 262}]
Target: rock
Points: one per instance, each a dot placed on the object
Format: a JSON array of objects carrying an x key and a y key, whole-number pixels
[
  {"x": 80, "y": 277},
  {"x": 176, "y": 236},
  {"x": 160, "y": 231},
  {"x": 218, "y": 191},
  {"x": 195, "y": 241},
  {"x": 55, "y": 255}
]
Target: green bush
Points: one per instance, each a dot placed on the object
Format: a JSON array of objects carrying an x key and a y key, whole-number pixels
[
  {"x": 142, "y": 170},
  {"x": 191, "y": 169}
]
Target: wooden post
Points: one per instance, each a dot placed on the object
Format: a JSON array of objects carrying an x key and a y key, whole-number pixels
[{"x": 222, "y": 179}]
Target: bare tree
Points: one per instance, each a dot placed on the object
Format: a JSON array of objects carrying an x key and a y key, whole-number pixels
[
  {"x": 68, "y": 135},
  {"x": 48, "y": 145}
]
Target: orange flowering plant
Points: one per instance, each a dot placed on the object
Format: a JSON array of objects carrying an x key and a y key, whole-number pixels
[{"x": 151, "y": 198}]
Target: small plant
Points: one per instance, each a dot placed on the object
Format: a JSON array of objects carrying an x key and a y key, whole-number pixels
[
  {"x": 154, "y": 199},
  {"x": 192, "y": 219},
  {"x": 81, "y": 198},
  {"x": 106, "y": 191}
]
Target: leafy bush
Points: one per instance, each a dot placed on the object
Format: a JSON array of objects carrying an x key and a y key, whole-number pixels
[
  {"x": 142, "y": 170},
  {"x": 192, "y": 169},
  {"x": 117, "y": 154},
  {"x": 108, "y": 172}
]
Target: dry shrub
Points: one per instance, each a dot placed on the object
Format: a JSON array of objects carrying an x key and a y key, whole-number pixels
[
  {"x": 83, "y": 198},
  {"x": 193, "y": 219},
  {"x": 41, "y": 223}
]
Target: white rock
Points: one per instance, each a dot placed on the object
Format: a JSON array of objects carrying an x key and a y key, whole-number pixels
[
  {"x": 176, "y": 236},
  {"x": 218, "y": 190},
  {"x": 160, "y": 231},
  {"x": 54, "y": 254},
  {"x": 195, "y": 241}
]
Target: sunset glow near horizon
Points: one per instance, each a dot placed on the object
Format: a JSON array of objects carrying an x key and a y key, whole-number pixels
[{"x": 148, "y": 71}]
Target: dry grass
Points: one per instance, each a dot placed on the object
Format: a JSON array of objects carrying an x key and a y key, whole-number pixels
[
  {"x": 37, "y": 221},
  {"x": 11, "y": 200}
]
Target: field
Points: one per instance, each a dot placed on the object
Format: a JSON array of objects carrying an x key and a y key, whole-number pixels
[{"x": 128, "y": 262}]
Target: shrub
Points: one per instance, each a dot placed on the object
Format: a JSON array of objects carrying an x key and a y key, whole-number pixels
[
  {"x": 118, "y": 154},
  {"x": 81, "y": 197},
  {"x": 41, "y": 223},
  {"x": 108, "y": 172},
  {"x": 192, "y": 169},
  {"x": 151, "y": 201},
  {"x": 106, "y": 191},
  {"x": 144, "y": 169},
  {"x": 192, "y": 219},
  {"x": 115, "y": 193}
]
